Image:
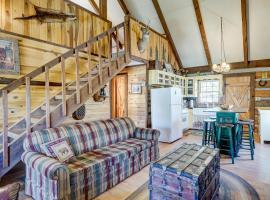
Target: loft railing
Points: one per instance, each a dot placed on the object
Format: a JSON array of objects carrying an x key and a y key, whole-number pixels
[{"x": 46, "y": 70}]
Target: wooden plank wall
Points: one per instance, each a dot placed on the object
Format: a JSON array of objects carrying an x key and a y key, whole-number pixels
[
  {"x": 261, "y": 104},
  {"x": 64, "y": 34},
  {"x": 157, "y": 49},
  {"x": 137, "y": 103}
]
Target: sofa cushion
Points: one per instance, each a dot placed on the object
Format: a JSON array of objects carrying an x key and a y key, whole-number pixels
[
  {"x": 109, "y": 155},
  {"x": 84, "y": 137}
]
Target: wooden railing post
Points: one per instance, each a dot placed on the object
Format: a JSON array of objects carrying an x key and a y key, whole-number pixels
[
  {"x": 5, "y": 128},
  {"x": 77, "y": 61},
  {"x": 47, "y": 97},
  {"x": 63, "y": 77},
  {"x": 99, "y": 62},
  {"x": 90, "y": 89},
  {"x": 117, "y": 47},
  {"x": 28, "y": 104},
  {"x": 127, "y": 39},
  {"x": 109, "y": 54}
]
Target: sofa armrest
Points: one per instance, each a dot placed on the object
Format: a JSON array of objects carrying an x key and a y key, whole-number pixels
[
  {"x": 46, "y": 166},
  {"x": 146, "y": 133}
]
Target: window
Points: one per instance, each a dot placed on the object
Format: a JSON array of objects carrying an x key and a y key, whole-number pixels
[{"x": 208, "y": 92}]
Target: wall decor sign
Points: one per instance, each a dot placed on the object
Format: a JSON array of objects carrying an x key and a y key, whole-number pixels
[
  {"x": 9, "y": 56},
  {"x": 136, "y": 88}
]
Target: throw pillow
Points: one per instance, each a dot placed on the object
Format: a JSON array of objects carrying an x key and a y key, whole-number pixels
[{"x": 59, "y": 149}]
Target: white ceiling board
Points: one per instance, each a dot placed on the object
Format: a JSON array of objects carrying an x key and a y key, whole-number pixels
[
  {"x": 230, "y": 10},
  {"x": 85, "y": 4},
  {"x": 259, "y": 29},
  {"x": 182, "y": 22},
  {"x": 144, "y": 10},
  {"x": 115, "y": 12}
]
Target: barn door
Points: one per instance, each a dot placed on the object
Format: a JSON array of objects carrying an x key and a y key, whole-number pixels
[
  {"x": 119, "y": 96},
  {"x": 237, "y": 93}
]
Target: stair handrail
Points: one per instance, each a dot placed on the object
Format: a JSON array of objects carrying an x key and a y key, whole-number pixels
[{"x": 16, "y": 83}]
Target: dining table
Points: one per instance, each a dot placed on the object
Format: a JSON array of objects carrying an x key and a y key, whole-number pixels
[{"x": 235, "y": 131}]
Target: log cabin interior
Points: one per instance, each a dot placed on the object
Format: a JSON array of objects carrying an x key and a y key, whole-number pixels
[{"x": 134, "y": 100}]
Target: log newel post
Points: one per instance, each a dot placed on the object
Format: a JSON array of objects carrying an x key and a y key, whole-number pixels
[
  {"x": 78, "y": 98},
  {"x": 90, "y": 89}
]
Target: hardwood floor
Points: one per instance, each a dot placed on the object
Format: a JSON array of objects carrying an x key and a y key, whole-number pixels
[{"x": 256, "y": 172}]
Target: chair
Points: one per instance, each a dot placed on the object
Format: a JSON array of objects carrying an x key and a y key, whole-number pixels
[
  {"x": 247, "y": 137},
  {"x": 209, "y": 132},
  {"x": 227, "y": 138}
]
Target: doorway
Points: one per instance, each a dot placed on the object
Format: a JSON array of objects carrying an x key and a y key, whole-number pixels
[{"x": 119, "y": 96}]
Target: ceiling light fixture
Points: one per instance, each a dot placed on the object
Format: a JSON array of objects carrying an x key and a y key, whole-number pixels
[{"x": 222, "y": 66}]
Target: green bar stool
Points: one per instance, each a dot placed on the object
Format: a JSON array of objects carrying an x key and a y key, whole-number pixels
[
  {"x": 247, "y": 137},
  {"x": 225, "y": 136},
  {"x": 209, "y": 132}
]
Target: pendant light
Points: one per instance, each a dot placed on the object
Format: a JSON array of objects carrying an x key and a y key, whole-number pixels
[{"x": 222, "y": 66}]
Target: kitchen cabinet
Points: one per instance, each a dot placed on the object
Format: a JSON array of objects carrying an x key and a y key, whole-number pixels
[
  {"x": 191, "y": 87},
  {"x": 162, "y": 78}
]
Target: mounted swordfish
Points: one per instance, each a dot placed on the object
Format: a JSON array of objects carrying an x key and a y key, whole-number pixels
[{"x": 46, "y": 15}]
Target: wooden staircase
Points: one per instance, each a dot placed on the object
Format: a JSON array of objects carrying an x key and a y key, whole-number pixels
[{"x": 74, "y": 94}]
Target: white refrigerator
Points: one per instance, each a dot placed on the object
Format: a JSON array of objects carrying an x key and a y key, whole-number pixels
[{"x": 166, "y": 111}]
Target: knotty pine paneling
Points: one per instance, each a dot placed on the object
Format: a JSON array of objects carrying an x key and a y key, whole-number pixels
[
  {"x": 137, "y": 105},
  {"x": 67, "y": 34},
  {"x": 158, "y": 47}
]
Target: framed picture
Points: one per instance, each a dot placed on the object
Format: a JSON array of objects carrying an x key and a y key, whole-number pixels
[
  {"x": 9, "y": 56},
  {"x": 136, "y": 88}
]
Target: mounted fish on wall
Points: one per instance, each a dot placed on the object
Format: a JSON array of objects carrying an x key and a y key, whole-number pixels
[{"x": 46, "y": 15}]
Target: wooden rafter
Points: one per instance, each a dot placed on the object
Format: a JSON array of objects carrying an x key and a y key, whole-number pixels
[
  {"x": 202, "y": 31},
  {"x": 166, "y": 29},
  {"x": 103, "y": 8},
  {"x": 123, "y": 6},
  {"x": 95, "y": 6},
  {"x": 244, "y": 30},
  {"x": 236, "y": 65}
]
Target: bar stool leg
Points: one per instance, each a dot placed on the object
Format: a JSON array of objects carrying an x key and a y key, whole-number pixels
[
  {"x": 231, "y": 145},
  {"x": 204, "y": 133},
  {"x": 251, "y": 140}
]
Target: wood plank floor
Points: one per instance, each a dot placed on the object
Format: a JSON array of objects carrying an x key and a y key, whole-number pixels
[{"x": 256, "y": 172}]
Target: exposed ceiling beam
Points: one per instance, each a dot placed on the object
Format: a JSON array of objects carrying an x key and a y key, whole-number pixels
[
  {"x": 236, "y": 65},
  {"x": 166, "y": 29},
  {"x": 103, "y": 8},
  {"x": 244, "y": 30},
  {"x": 95, "y": 6},
  {"x": 202, "y": 31},
  {"x": 123, "y": 6}
]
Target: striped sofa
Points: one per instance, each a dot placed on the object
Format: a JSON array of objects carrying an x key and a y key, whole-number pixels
[{"x": 106, "y": 153}]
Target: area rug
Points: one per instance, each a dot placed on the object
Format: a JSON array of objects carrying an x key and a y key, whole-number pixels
[{"x": 232, "y": 187}]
